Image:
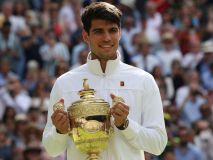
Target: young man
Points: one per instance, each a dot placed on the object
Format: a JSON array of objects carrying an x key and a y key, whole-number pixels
[{"x": 138, "y": 123}]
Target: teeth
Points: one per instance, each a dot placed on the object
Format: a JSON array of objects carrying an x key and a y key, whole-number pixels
[{"x": 107, "y": 46}]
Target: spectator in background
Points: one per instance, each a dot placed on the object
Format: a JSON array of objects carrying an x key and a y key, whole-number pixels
[
  {"x": 53, "y": 52},
  {"x": 32, "y": 76},
  {"x": 19, "y": 97},
  {"x": 130, "y": 27},
  {"x": 40, "y": 96},
  {"x": 206, "y": 111},
  {"x": 177, "y": 75},
  {"x": 186, "y": 150},
  {"x": 45, "y": 15},
  {"x": 203, "y": 66},
  {"x": 17, "y": 23},
  {"x": 190, "y": 109},
  {"x": 192, "y": 80},
  {"x": 194, "y": 56},
  {"x": 5, "y": 99},
  {"x": 31, "y": 52},
  {"x": 36, "y": 4},
  {"x": 18, "y": 136},
  {"x": 204, "y": 138},
  {"x": 34, "y": 117},
  {"x": 82, "y": 58},
  {"x": 67, "y": 16},
  {"x": 8, "y": 119},
  {"x": 153, "y": 23},
  {"x": 185, "y": 34},
  {"x": 33, "y": 153},
  {"x": 164, "y": 83},
  {"x": 32, "y": 134},
  {"x": 207, "y": 77},
  {"x": 10, "y": 48},
  {"x": 143, "y": 58},
  {"x": 161, "y": 5},
  {"x": 5, "y": 144},
  {"x": 169, "y": 51},
  {"x": 61, "y": 68}
]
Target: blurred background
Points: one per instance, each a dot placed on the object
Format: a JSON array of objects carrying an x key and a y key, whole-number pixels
[{"x": 171, "y": 39}]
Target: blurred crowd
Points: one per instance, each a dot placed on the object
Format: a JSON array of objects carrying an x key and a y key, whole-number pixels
[{"x": 172, "y": 40}]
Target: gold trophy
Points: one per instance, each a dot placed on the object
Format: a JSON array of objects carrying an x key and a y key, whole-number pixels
[{"x": 90, "y": 121}]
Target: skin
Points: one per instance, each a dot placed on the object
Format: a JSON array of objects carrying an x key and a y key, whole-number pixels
[{"x": 103, "y": 39}]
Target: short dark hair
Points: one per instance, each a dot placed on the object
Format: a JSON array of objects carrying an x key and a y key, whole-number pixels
[{"x": 100, "y": 10}]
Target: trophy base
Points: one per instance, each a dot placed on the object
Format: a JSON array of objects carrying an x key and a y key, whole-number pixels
[{"x": 93, "y": 156}]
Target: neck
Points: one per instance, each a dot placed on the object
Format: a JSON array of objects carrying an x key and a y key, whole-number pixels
[{"x": 103, "y": 61}]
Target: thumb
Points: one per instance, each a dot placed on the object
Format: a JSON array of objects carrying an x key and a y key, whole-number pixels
[
  {"x": 59, "y": 105},
  {"x": 61, "y": 100},
  {"x": 112, "y": 96}
]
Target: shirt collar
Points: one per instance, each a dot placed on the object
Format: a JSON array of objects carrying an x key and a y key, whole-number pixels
[{"x": 95, "y": 66}]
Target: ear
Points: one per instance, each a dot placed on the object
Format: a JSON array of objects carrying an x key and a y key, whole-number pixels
[{"x": 85, "y": 36}]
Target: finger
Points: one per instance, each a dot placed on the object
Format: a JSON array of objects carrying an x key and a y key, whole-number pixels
[
  {"x": 61, "y": 100},
  {"x": 58, "y": 111},
  {"x": 118, "y": 111},
  {"x": 59, "y": 117},
  {"x": 122, "y": 107},
  {"x": 117, "y": 117},
  {"x": 59, "y": 105},
  {"x": 112, "y": 95},
  {"x": 64, "y": 122},
  {"x": 118, "y": 120}
]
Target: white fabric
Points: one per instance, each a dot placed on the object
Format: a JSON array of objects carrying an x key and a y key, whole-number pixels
[
  {"x": 151, "y": 61},
  {"x": 181, "y": 95},
  {"x": 127, "y": 37},
  {"x": 67, "y": 17},
  {"x": 152, "y": 30},
  {"x": 146, "y": 130},
  {"x": 191, "y": 60},
  {"x": 58, "y": 51},
  {"x": 167, "y": 57}
]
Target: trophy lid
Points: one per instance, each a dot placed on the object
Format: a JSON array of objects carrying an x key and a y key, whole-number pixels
[{"x": 88, "y": 105}]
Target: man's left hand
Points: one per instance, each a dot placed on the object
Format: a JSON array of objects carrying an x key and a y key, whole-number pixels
[{"x": 119, "y": 111}]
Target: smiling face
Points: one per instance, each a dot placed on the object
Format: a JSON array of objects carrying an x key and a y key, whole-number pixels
[{"x": 103, "y": 39}]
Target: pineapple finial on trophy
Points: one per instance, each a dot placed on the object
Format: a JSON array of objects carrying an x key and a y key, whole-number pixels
[{"x": 86, "y": 84}]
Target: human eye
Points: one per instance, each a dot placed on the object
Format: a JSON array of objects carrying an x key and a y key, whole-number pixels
[
  {"x": 97, "y": 31},
  {"x": 114, "y": 30}
]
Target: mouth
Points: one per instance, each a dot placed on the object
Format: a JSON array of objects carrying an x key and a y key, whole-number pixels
[{"x": 108, "y": 46}]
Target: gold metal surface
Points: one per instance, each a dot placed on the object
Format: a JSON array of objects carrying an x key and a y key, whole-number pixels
[
  {"x": 59, "y": 105},
  {"x": 90, "y": 119}
]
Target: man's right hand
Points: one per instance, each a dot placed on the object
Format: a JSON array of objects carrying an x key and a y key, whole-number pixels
[{"x": 61, "y": 121}]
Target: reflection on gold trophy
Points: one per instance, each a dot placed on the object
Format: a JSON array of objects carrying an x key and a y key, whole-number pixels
[{"x": 90, "y": 121}]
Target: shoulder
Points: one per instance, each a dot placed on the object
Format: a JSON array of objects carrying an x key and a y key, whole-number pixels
[
  {"x": 73, "y": 72},
  {"x": 136, "y": 74}
]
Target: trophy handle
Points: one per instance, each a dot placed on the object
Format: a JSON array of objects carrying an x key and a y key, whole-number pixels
[
  {"x": 60, "y": 106},
  {"x": 117, "y": 99}
]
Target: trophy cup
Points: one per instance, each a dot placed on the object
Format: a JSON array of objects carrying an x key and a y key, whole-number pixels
[{"x": 90, "y": 121}]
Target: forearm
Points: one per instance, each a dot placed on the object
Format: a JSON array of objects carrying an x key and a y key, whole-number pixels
[
  {"x": 149, "y": 134},
  {"x": 54, "y": 143},
  {"x": 151, "y": 139}
]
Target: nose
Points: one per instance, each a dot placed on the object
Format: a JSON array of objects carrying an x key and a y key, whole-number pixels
[{"x": 107, "y": 36}]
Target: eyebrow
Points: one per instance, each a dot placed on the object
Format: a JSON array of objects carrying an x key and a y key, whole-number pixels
[
  {"x": 97, "y": 29},
  {"x": 100, "y": 29}
]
